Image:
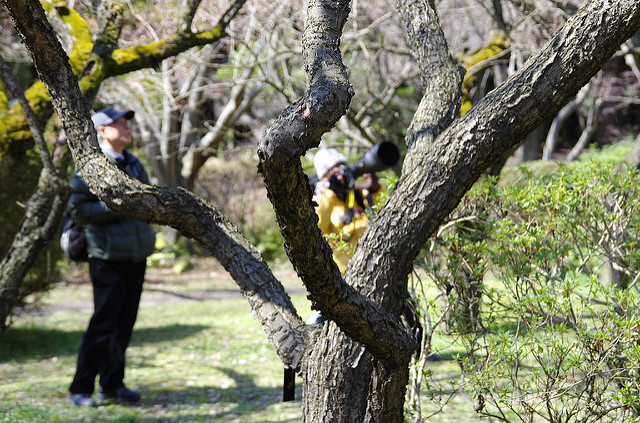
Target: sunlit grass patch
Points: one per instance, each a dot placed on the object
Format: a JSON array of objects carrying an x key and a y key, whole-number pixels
[{"x": 191, "y": 360}]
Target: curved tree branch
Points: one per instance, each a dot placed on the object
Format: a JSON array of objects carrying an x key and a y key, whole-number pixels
[
  {"x": 441, "y": 77},
  {"x": 462, "y": 153},
  {"x": 176, "y": 207}
]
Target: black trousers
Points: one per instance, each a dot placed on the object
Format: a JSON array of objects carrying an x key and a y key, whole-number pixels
[{"x": 117, "y": 287}]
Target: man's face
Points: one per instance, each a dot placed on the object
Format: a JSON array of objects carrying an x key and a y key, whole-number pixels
[{"x": 117, "y": 132}]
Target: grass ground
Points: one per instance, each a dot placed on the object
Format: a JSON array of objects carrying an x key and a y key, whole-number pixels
[{"x": 196, "y": 356}]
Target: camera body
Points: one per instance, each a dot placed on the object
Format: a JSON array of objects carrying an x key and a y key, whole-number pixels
[{"x": 381, "y": 156}]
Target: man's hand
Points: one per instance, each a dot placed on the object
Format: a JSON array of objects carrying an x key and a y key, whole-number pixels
[
  {"x": 337, "y": 180},
  {"x": 371, "y": 182}
]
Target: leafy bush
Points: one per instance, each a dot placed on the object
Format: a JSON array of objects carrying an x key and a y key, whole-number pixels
[{"x": 536, "y": 284}]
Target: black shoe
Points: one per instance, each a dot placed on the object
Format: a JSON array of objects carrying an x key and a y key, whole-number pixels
[
  {"x": 120, "y": 394},
  {"x": 81, "y": 400}
]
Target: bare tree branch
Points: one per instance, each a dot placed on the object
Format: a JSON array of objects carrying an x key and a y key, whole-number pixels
[
  {"x": 13, "y": 86},
  {"x": 240, "y": 99},
  {"x": 152, "y": 54},
  {"x": 124, "y": 60},
  {"x": 191, "y": 6},
  {"x": 440, "y": 75},
  {"x": 558, "y": 121},
  {"x": 590, "y": 127}
]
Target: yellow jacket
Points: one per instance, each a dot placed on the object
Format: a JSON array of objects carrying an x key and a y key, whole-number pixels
[{"x": 343, "y": 237}]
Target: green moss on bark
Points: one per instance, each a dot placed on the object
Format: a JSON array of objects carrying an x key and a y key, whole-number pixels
[
  {"x": 78, "y": 29},
  {"x": 497, "y": 45}
]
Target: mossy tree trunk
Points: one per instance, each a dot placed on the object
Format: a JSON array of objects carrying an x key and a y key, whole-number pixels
[{"x": 43, "y": 211}]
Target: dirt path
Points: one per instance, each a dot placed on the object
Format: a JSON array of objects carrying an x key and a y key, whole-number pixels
[{"x": 205, "y": 280}]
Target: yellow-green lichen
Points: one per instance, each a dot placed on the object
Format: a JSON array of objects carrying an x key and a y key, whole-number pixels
[
  {"x": 4, "y": 100},
  {"x": 14, "y": 129},
  {"x": 78, "y": 29},
  {"x": 150, "y": 55},
  {"x": 496, "y": 46}
]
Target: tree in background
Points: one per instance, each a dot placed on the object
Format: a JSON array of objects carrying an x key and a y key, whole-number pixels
[{"x": 207, "y": 101}]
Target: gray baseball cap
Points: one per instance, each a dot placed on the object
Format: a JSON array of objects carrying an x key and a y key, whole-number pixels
[{"x": 108, "y": 115}]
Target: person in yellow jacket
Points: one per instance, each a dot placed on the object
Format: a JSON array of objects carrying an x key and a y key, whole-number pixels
[{"x": 341, "y": 208}]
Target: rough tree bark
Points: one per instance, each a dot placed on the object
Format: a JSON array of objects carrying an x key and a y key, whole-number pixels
[
  {"x": 300, "y": 127},
  {"x": 363, "y": 310}
]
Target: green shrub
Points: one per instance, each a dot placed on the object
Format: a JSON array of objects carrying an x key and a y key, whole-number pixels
[{"x": 552, "y": 339}]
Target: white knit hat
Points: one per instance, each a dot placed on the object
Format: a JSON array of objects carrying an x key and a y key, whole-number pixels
[{"x": 327, "y": 158}]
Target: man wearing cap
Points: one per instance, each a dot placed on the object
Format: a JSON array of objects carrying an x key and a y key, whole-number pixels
[{"x": 117, "y": 247}]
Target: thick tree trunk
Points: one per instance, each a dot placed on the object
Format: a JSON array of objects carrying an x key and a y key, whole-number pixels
[
  {"x": 344, "y": 383},
  {"x": 337, "y": 372},
  {"x": 335, "y": 378}
]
